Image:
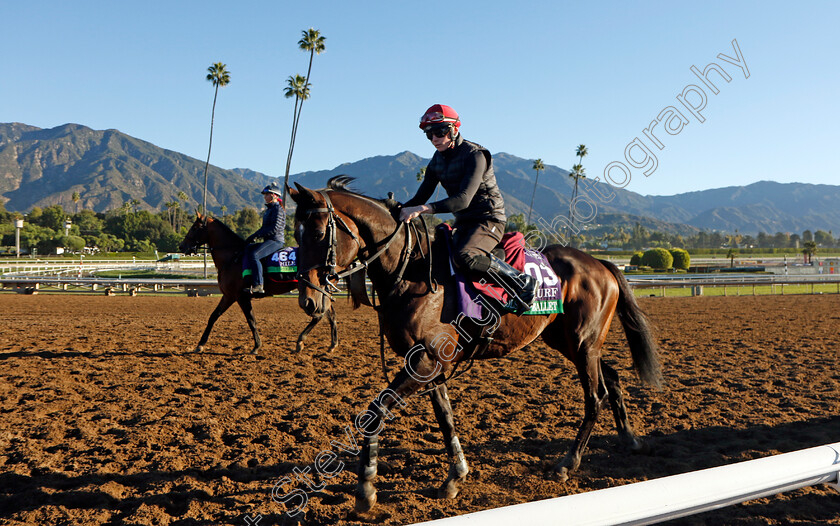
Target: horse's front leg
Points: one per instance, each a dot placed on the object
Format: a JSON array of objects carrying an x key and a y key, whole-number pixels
[
  {"x": 458, "y": 468},
  {"x": 248, "y": 310},
  {"x": 408, "y": 381},
  {"x": 333, "y": 329},
  {"x": 306, "y": 330},
  {"x": 224, "y": 304}
]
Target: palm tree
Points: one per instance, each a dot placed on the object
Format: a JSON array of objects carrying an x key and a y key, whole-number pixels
[
  {"x": 421, "y": 173},
  {"x": 581, "y": 152},
  {"x": 219, "y": 76},
  {"x": 314, "y": 42},
  {"x": 809, "y": 249},
  {"x": 182, "y": 195},
  {"x": 731, "y": 253},
  {"x": 578, "y": 172},
  {"x": 224, "y": 209},
  {"x": 297, "y": 87},
  {"x": 76, "y": 197},
  {"x": 538, "y": 166}
]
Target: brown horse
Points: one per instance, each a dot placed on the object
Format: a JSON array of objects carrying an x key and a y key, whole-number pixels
[
  {"x": 227, "y": 248},
  {"x": 335, "y": 226}
]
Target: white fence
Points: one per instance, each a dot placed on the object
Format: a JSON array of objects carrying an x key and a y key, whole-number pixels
[{"x": 671, "y": 497}]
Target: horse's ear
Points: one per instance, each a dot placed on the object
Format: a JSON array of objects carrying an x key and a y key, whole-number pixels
[
  {"x": 292, "y": 192},
  {"x": 303, "y": 195}
]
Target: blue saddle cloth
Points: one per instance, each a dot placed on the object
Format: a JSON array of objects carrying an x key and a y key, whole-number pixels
[{"x": 280, "y": 266}]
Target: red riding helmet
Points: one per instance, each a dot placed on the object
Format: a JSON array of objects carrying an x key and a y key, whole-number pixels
[{"x": 440, "y": 114}]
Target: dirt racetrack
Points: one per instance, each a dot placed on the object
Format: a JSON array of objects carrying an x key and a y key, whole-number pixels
[{"x": 108, "y": 417}]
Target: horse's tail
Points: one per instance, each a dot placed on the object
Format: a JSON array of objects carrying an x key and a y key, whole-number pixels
[{"x": 637, "y": 329}]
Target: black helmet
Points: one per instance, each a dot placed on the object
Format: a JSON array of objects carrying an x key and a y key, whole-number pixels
[{"x": 272, "y": 189}]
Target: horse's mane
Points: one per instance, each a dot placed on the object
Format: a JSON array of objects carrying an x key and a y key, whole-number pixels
[
  {"x": 227, "y": 228},
  {"x": 341, "y": 183}
]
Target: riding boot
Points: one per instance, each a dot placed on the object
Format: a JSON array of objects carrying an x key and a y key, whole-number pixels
[
  {"x": 256, "y": 288},
  {"x": 521, "y": 286}
]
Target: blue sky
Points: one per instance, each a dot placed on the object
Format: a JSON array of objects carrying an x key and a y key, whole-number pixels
[{"x": 533, "y": 79}]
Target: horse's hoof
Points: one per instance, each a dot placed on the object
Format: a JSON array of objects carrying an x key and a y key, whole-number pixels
[
  {"x": 199, "y": 348},
  {"x": 299, "y": 348},
  {"x": 365, "y": 497},
  {"x": 560, "y": 473},
  {"x": 639, "y": 447},
  {"x": 449, "y": 490}
]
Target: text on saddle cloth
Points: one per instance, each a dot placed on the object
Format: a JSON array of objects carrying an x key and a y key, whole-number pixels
[
  {"x": 282, "y": 265},
  {"x": 533, "y": 262}
]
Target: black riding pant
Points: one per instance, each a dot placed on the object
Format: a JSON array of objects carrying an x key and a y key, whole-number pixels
[{"x": 472, "y": 243}]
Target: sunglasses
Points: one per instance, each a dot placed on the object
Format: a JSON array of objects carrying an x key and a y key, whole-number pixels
[{"x": 439, "y": 132}]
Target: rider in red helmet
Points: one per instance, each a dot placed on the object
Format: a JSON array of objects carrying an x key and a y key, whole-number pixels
[{"x": 465, "y": 170}]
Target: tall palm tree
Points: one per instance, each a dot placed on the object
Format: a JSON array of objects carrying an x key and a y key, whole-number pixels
[
  {"x": 182, "y": 196},
  {"x": 538, "y": 166},
  {"x": 76, "y": 197},
  {"x": 297, "y": 87},
  {"x": 581, "y": 152},
  {"x": 314, "y": 42},
  {"x": 578, "y": 172},
  {"x": 809, "y": 249},
  {"x": 219, "y": 76}
]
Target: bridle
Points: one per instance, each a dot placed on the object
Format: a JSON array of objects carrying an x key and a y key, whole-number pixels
[{"x": 334, "y": 222}]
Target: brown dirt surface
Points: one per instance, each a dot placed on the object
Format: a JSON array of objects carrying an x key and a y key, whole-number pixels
[{"x": 108, "y": 417}]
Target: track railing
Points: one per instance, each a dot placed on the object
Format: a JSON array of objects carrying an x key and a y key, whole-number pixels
[{"x": 671, "y": 497}]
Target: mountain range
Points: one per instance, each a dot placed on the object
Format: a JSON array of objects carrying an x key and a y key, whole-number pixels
[{"x": 107, "y": 168}]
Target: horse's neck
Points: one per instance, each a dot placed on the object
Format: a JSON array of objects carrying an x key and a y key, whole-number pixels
[
  {"x": 375, "y": 228},
  {"x": 224, "y": 244}
]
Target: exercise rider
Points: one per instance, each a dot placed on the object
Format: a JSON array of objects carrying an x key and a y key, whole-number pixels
[
  {"x": 272, "y": 232},
  {"x": 465, "y": 170}
]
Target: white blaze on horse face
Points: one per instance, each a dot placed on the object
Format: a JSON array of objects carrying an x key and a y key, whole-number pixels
[{"x": 299, "y": 234}]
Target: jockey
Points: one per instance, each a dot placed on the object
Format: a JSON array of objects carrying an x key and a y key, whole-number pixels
[
  {"x": 465, "y": 170},
  {"x": 272, "y": 231}
]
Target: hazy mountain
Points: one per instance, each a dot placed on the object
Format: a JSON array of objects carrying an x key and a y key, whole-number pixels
[{"x": 107, "y": 168}]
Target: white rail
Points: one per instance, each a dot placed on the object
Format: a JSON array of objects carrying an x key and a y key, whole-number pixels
[{"x": 671, "y": 497}]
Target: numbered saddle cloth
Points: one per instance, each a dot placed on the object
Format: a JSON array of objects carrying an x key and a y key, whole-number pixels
[
  {"x": 533, "y": 262},
  {"x": 280, "y": 266}
]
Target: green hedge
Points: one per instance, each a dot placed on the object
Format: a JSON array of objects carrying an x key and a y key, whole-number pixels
[
  {"x": 657, "y": 258},
  {"x": 682, "y": 260}
]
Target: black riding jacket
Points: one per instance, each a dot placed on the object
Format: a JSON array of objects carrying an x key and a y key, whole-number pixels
[{"x": 466, "y": 173}]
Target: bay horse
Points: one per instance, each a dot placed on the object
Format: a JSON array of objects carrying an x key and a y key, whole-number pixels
[
  {"x": 227, "y": 248},
  {"x": 335, "y": 227}
]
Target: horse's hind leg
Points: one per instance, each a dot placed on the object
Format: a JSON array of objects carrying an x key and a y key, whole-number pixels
[
  {"x": 622, "y": 421},
  {"x": 224, "y": 304},
  {"x": 248, "y": 310},
  {"x": 458, "y": 468},
  {"x": 594, "y": 397}
]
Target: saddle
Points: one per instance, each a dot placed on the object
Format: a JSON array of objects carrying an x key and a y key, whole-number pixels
[
  {"x": 280, "y": 266},
  {"x": 514, "y": 252}
]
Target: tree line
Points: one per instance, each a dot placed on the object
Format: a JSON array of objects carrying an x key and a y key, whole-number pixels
[{"x": 125, "y": 229}]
